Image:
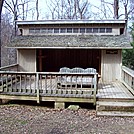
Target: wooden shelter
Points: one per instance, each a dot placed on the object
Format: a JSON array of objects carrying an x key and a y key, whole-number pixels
[
  {"x": 82, "y": 49},
  {"x": 46, "y": 46}
]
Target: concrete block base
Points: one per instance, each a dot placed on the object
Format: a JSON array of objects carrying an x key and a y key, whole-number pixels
[{"x": 59, "y": 105}]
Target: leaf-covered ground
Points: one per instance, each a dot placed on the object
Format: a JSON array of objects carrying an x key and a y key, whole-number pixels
[{"x": 24, "y": 119}]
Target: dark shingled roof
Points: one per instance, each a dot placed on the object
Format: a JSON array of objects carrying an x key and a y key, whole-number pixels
[{"x": 88, "y": 41}]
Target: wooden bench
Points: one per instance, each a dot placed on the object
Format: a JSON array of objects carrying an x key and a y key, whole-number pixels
[
  {"x": 76, "y": 81},
  {"x": 77, "y": 77}
]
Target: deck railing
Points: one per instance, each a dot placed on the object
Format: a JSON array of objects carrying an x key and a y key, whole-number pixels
[
  {"x": 49, "y": 84},
  {"x": 128, "y": 78}
]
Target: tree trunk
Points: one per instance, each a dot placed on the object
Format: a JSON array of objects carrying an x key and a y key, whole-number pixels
[
  {"x": 37, "y": 9},
  {"x": 1, "y": 5},
  {"x": 126, "y": 19},
  {"x": 116, "y": 9}
]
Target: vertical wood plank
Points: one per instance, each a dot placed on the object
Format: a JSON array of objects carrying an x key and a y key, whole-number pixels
[
  {"x": 95, "y": 87},
  {"x": 25, "y": 83},
  {"x": 20, "y": 83},
  {"x": 37, "y": 87},
  {"x": 6, "y": 83},
  {"x": 11, "y": 89},
  {"x": 2, "y": 82},
  {"x": 30, "y": 83}
]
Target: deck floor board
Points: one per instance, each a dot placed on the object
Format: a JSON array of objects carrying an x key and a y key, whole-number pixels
[{"x": 113, "y": 90}]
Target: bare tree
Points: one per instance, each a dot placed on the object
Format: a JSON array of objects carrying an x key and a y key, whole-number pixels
[
  {"x": 69, "y": 9},
  {"x": 8, "y": 54},
  {"x": 52, "y": 8},
  {"x": 18, "y": 8},
  {"x": 128, "y": 10},
  {"x": 1, "y": 5},
  {"x": 23, "y": 8},
  {"x": 102, "y": 11},
  {"x": 37, "y": 9},
  {"x": 12, "y": 7},
  {"x": 82, "y": 8},
  {"x": 132, "y": 8},
  {"x": 116, "y": 9}
]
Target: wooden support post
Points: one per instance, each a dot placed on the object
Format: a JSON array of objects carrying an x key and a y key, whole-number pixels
[
  {"x": 59, "y": 105},
  {"x": 37, "y": 87},
  {"x": 41, "y": 58}
]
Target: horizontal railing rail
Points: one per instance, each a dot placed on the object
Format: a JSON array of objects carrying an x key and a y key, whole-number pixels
[
  {"x": 52, "y": 84},
  {"x": 128, "y": 78},
  {"x": 13, "y": 67}
]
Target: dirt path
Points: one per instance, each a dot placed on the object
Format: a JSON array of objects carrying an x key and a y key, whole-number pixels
[{"x": 20, "y": 119}]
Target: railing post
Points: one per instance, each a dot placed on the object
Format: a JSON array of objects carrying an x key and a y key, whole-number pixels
[
  {"x": 95, "y": 87},
  {"x": 37, "y": 87},
  {"x": 133, "y": 83},
  {"x": 1, "y": 83}
]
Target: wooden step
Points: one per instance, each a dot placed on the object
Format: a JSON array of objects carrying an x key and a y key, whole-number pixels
[
  {"x": 115, "y": 108},
  {"x": 115, "y": 113}
]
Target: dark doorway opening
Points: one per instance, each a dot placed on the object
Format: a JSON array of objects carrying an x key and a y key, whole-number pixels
[{"x": 51, "y": 60}]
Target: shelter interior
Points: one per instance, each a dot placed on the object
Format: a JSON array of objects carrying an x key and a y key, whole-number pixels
[{"x": 51, "y": 60}]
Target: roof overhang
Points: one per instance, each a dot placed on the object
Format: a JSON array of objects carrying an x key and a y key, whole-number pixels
[
  {"x": 70, "y": 42},
  {"x": 72, "y": 47}
]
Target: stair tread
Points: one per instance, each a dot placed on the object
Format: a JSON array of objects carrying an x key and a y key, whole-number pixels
[
  {"x": 123, "y": 104},
  {"x": 115, "y": 113}
]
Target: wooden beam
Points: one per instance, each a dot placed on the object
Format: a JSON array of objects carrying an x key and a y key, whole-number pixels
[{"x": 54, "y": 99}]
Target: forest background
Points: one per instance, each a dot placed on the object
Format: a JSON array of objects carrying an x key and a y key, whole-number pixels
[{"x": 12, "y": 10}]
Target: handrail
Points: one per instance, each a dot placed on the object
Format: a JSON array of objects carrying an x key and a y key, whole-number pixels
[
  {"x": 128, "y": 71},
  {"x": 50, "y": 73},
  {"x": 128, "y": 78},
  {"x": 7, "y": 68}
]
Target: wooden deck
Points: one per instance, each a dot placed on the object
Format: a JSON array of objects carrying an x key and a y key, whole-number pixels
[
  {"x": 106, "y": 91},
  {"x": 116, "y": 97},
  {"x": 43, "y": 86},
  {"x": 113, "y": 91}
]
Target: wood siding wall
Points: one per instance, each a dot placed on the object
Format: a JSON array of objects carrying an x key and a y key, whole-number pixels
[
  {"x": 110, "y": 69},
  {"x": 111, "y": 66},
  {"x": 27, "y": 60}
]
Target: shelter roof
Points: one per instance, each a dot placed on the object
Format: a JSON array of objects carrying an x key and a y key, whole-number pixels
[
  {"x": 49, "y": 22},
  {"x": 71, "y": 41}
]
